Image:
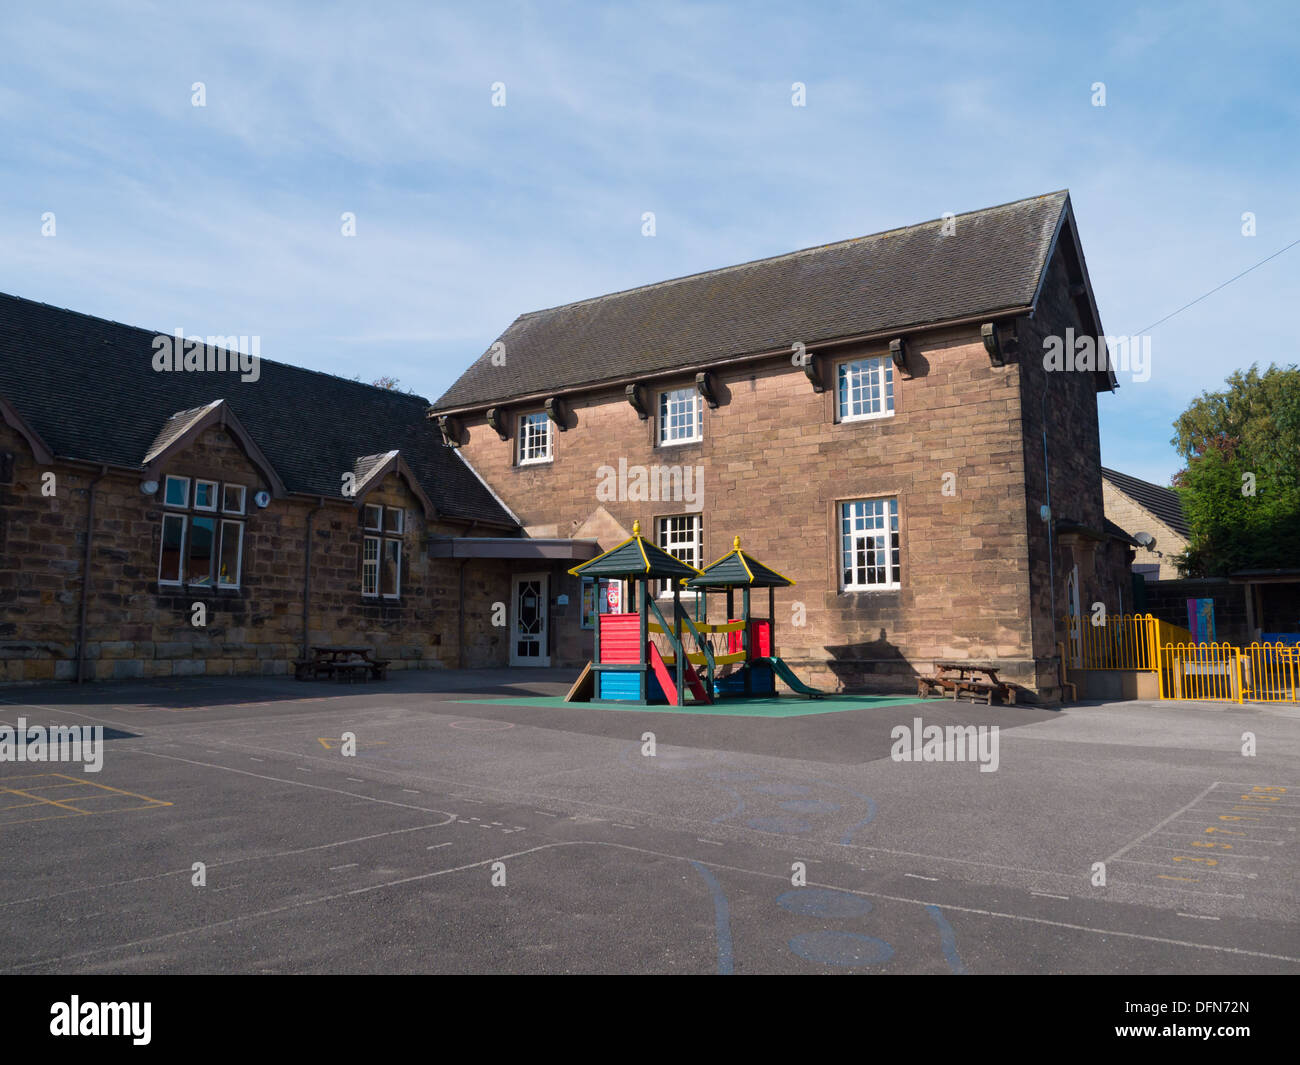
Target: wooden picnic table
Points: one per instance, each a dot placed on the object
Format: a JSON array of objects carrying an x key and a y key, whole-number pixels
[
  {"x": 340, "y": 661},
  {"x": 972, "y": 680}
]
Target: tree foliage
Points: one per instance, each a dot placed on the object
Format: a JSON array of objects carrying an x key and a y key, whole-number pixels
[{"x": 1241, "y": 487}]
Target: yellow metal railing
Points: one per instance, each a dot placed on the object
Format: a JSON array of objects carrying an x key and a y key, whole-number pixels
[
  {"x": 1125, "y": 641},
  {"x": 1270, "y": 672},
  {"x": 1200, "y": 671}
]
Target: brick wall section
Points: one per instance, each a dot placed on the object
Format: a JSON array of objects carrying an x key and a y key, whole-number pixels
[
  {"x": 776, "y": 464},
  {"x": 138, "y": 628},
  {"x": 1132, "y": 517}
]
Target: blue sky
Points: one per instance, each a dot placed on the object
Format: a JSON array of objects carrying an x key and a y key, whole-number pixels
[{"x": 225, "y": 219}]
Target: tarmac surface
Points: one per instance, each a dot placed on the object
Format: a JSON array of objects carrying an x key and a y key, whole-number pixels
[{"x": 464, "y": 835}]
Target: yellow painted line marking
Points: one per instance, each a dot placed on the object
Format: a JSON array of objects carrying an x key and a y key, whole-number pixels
[
  {"x": 40, "y": 798},
  {"x": 1184, "y": 879},
  {"x": 119, "y": 791}
]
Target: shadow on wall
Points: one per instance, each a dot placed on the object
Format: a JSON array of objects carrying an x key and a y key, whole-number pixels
[{"x": 871, "y": 663}]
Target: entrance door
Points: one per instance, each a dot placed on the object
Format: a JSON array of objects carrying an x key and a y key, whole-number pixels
[{"x": 528, "y": 600}]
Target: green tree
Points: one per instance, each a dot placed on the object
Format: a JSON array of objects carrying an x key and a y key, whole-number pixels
[{"x": 1241, "y": 486}]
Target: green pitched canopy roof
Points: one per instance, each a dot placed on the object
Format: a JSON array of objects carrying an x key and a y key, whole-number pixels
[
  {"x": 736, "y": 569},
  {"x": 635, "y": 559}
]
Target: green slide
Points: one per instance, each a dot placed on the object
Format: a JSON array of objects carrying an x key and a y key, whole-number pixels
[{"x": 791, "y": 681}]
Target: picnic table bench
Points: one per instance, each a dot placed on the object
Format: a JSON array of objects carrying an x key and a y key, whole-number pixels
[
  {"x": 964, "y": 679},
  {"x": 340, "y": 662}
]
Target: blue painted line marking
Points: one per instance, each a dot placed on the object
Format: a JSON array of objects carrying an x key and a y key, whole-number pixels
[
  {"x": 948, "y": 941},
  {"x": 721, "y": 920}
]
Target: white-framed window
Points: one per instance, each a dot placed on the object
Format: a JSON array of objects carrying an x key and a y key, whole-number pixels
[
  {"x": 681, "y": 417},
  {"x": 197, "y": 548},
  {"x": 865, "y": 389},
  {"x": 177, "y": 493},
  {"x": 381, "y": 553},
  {"x": 682, "y": 536},
  {"x": 869, "y": 544},
  {"x": 205, "y": 495},
  {"x": 534, "y": 438}
]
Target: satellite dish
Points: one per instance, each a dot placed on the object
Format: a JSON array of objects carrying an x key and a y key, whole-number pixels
[
  {"x": 148, "y": 487},
  {"x": 262, "y": 498},
  {"x": 1145, "y": 539}
]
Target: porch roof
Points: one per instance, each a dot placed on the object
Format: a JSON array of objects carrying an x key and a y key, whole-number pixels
[{"x": 560, "y": 549}]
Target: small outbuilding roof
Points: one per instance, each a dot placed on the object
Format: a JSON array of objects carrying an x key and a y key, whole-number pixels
[
  {"x": 636, "y": 559},
  {"x": 737, "y": 569}
]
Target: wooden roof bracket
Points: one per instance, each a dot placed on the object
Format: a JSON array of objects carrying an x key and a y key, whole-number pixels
[
  {"x": 636, "y": 397},
  {"x": 812, "y": 371},
  {"x": 450, "y": 428},
  {"x": 496, "y": 419},
  {"x": 558, "y": 413},
  {"x": 999, "y": 342},
  {"x": 898, "y": 352},
  {"x": 706, "y": 387}
]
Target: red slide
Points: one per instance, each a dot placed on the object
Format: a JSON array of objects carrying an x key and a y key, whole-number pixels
[{"x": 666, "y": 680}]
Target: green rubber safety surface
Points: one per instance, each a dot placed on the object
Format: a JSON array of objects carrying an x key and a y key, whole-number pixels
[{"x": 780, "y": 706}]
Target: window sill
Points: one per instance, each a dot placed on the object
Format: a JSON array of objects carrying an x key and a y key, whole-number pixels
[
  {"x": 534, "y": 462},
  {"x": 850, "y": 419}
]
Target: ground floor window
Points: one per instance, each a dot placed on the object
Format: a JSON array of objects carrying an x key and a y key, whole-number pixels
[
  {"x": 381, "y": 553},
  {"x": 682, "y": 537},
  {"x": 200, "y": 546},
  {"x": 869, "y": 544}
]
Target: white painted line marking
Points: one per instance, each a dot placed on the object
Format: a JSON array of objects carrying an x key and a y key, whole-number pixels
[
  {"x": 336, "y": 868},
  {"x": 1181, "y": 810},
  {"x": 250, "y": 757},
  {"x": 410, "y": 791},
  {"x": 1046, "y": 895},
  {"x": 435, "y": 846},
  {"x": 545, "y": 813},
  {"x": 1197, "y": 916},
  {"x": 617, "y": 825},
  {"x": 476, "y": 802},
  {"x": 714, "y": 842},
  {"x": 302, "y": 770},
  {"x": 917, "y": 876},
  {"x": 356, "y": 780}
]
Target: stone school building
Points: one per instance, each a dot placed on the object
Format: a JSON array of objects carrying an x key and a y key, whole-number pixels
[{"x": 872, "y": 418}]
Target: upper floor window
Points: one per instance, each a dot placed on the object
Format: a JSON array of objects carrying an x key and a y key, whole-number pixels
[
  {"x": 681, "y": 418},
  {"x": 682, "y": 537},
  {"x": 381, "y": 550},
  {"x": 866, "y": 389},
  {"x": 534, "y": 438},
  {"x": 202, "y": 533},
  {"x": 869, "y": 544}
]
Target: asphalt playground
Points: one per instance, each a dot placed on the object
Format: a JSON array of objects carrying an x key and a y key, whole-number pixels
[{"x": 481, "y": 825}]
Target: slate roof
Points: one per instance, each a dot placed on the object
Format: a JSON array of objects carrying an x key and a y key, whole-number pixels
[
  {"x": 899, "y": 279},
  {"x": 737, "y": 568},
  {"x": 87, "y": 386},
  {"x": 636, "y": 557},
  {"x": 1162, "y": 502}
]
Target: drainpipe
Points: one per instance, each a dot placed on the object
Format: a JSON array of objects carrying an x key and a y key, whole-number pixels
[
  {"x": 306, "y": 579},
  {"x": 85, "y": 576}
]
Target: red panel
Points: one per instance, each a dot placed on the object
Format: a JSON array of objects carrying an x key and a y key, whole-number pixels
[
  {"x": 760, "y": 638},
  {"x": 666, "y": 680},
  {"x": 620, "y": 639}
]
